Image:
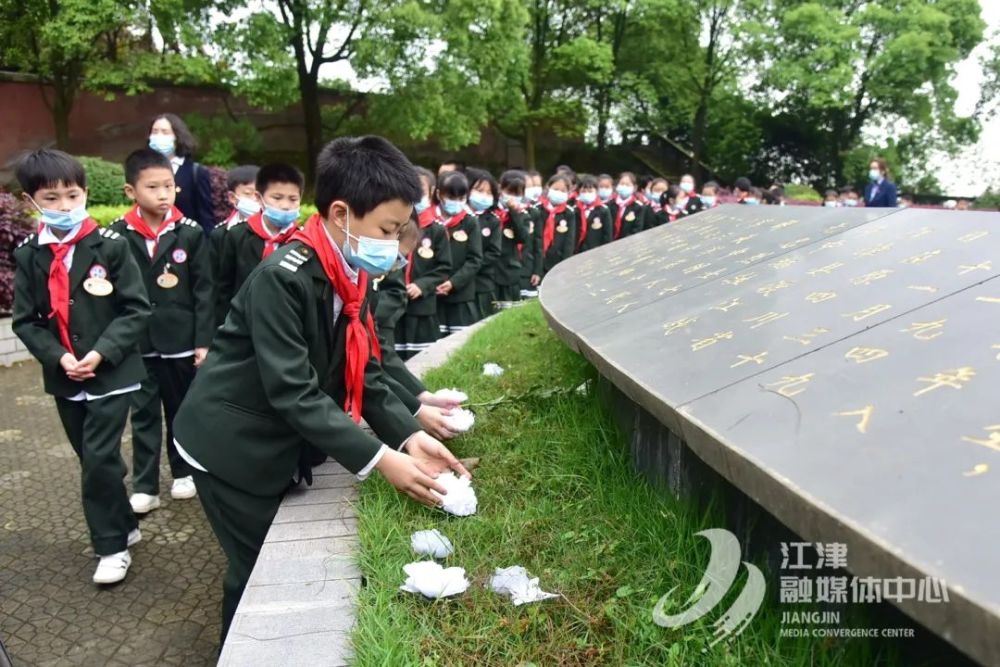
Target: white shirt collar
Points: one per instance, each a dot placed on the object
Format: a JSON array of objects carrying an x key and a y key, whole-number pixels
[
  {"x": 351, "y": 273},
  {"x": 176, "y": 161},
  {"x": 46, "y": 237}
]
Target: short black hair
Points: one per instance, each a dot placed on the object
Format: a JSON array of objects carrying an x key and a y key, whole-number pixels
[
  {"x": 743, "y": 184},
  {"x": 365, "y": 172},
  {"x": 711, "y": 184},
  {"x": 453, "y": 184},
  {"x": 142, "y": 159},
  {"x": 279, "y": 172},
  {"x": 423, "y": 173},
  {"x": 629, "y": 175},
  {"x": 184, "y": 141},
  {"x": 658, "y": 180},
  {"x": 602, "y": 177},
  {"x": 242, "y": 175},
  {"x": 47, "y": 167},
  {"x": 848, "y": 189},
  {"x": 561, "y": 176},
  {"x": 533, "y": 173},
  {"x": 645, "y": 180},
  {"x": 481, "y": 175},
  {"x": 587, "y": 181},
  {"x": 672, "y": 192},
  {"x": 459, "y": 165},
  {"x": 513, "y": 180}
]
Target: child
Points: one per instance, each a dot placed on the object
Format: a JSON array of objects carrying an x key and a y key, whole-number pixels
[
  {"x": 295, "y": 363},
  {"x": 79, "y": 302},
  {"x": 831, "y": 199},
  {"x": 688, "y": 201},
  {"x": 592, "y": 216},
  {"x": 240, "y": 183},
  {"x": 656, "y": 213},
  {"x": 848, "y": 196},
  {"x": 558, "y": 229},
  {"x": 529, "y": 250},
  {"x": 605, "y": 188},
  {"x": 515, "y": 226},
  {"x": 483, "y": 198},
  {"x": 710, "y": 194},
  {"x": 457, "y": 308},
  {"x": 754, "y": 197},
  {"x": 626, "y": 210},
  {"x": 427, "y": 266},
  {"x": 172, "y": 254},
  {"x": 279, "y": 192},
  {"x": 742, "y": 189}
]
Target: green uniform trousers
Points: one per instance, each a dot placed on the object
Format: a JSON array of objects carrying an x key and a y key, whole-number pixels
[
  {"x": 94, "y": 429},
  {"x": 166, "y": 383},
  {"x": 240, "y": 522}
]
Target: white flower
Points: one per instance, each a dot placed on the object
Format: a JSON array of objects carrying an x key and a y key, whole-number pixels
[
  {"x": 461, "y": 498},
  {"x": 431, "y": 543},
  {"x": 492, "y": 370},
  {"x": 431, "y": 580},
  {"x": 461, "y": 420},
  {"x": 514, "y": 581}
]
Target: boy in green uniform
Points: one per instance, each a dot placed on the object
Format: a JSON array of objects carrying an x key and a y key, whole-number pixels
[
  {"x": 241, "y": 185},
  {"x": 484, "y": 198},
  {"x": 172, "y": 253},
  {"x": 530, "y": 277},
  {"x": 456, "y": 306},
  {"x": 592, "y": 216},
  {"x": 295, "y": 363},
  {"x": 279, "y": 192},
  {"x": 80, "y": 309},
  {"x": 515, "y": 227}
]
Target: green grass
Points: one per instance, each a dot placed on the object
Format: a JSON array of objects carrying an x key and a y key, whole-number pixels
[{"x": 557, "y": 496}]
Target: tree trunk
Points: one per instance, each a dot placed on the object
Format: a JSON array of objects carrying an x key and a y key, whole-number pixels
[
  {"x": 603, "y": 111},
  {"x": 309, "y": 90},
  {"x": 62, "y": 105},
  {"x": 529, "y": 146},
  {"x": 698, "y": 138}
]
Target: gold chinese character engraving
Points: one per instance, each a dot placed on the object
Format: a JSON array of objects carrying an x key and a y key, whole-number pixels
[
  {"x": 868, "y": 312},
  {"x": 768, "y": 290},
  {"x": 923, "y": 288},
  {"x": 807, "y": 337},
  {"x": 727, "y": 305},
  {"x": 874, "y": 250},
  {"x": 672, "y": 327},
  {"x": 921, "y": 258},
  {"x": 863, "y": 355},
  {"x": 973, "y": 236},
  {"x": 869, "y": 278},
  {"x": 953, "y": 378},
  {"x": 748, "y": 358},
  {"x": 825, "y": 270},
  {"x": 766, "y": 318},
  {"x": 865, "y": 413},
  {"x": 701, "y": 343},
  {"x": 926, "y": 330},
  {"x": 992, "y": 441},
  {"x": 792, "y": 385},
  {"x": 819, "y": 297},
  {"x": 969, "y": 268}
]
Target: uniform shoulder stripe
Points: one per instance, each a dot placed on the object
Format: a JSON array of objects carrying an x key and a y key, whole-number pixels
[
  {"x": 110, "y": 233},
  {"x": 27, "y": 239},
  {"x": 294, "y": 256},
  {"x": 288, "y": 265},
  {"x": 189, "y": 222}
]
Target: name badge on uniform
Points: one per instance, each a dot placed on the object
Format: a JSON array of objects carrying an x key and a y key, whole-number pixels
[
  {"x": 487, "y": 231},
  {"x": 425, "y": 250},
  {"x": 509, "y": 233},
  {"x": 630, "y": 216},
  {"x": 562, "y": 228},
  {"x": 97, "y": 282},
  {"x": 531, "y": 227},
  {"x": 179, "y": 256},
  {"x": 460, "y": 236},
  {"x": 596, "y": 224},
  {"x": 167, "y": 280}
]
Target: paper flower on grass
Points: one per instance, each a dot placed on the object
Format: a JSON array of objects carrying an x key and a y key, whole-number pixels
[
  {"x": 492, "y": 370},
  {"x": 514, "y": 581},
  {"x": 461, "y": 498},
  {"x": 461, "y": 420},
  {"x": 431, "y": 543},
  {"x": 433, "y": 581}
]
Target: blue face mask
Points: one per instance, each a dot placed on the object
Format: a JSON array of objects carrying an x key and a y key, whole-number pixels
[
  {"x": 162, "y": 143},
  {"x": 709, "y": 200},
  {"x": 375, "y": 256},
  {"x": 281, "y": 219},
  {"x": 624, "y": 191},
  {"x": 480, "y": 201},
  {"x": 874, "y": 174},
  {"x": 247, "y": 206},
  {"x": 587, "y": 198},
  {"x": 533, "y": 192},
  {"x": 750, "y": 201},
  {"x": 452, "y": 207},
  {"x": 557, "y": 197},
  {"x": 830, "y": 204},
  {"x": 850, "y": 203},
  {"x": 61, "y": 220},
  {"x": 422, "y": 205},
  {"x": 510, "y": 200},
  {"x": 604, "y": 193}
]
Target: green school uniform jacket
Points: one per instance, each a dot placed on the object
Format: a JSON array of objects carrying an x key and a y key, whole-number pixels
[
  {"x": 518, "y": 230},
  {"x": 531, "y": 253},
  {"x": 596, "y": 230},
  {"x": 633, "y": 220},
  {"x": 182, "y": 316},
  {"x": 389, "y": 299},
  {"x": 241, "y": 253},
  {"x": 273, "y": 383},
  {"x": 465, "y": 242},
  {"x": 563, "y": 239},
  {"x": 215, "y": 240},
  {"x": 489, "y": 230},
  {"x": 389, "y": 308},
  {"x": 111, "y": 325},
  {"x": 430, "y": 265}
]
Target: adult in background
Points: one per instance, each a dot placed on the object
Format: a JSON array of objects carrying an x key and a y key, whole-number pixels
[
  {"x": 880, "y": 192},
  {"x": 170, "y": 136}
]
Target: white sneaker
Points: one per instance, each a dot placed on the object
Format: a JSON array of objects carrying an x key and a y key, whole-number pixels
[
  {"x": 143, "y": 503},
  {"x": 183, "y": 488},
  {"x": 112, "y": 569},
  {"x": 134, "y": 537}
]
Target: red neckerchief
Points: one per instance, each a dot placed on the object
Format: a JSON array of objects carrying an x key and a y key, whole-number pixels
[
  {"x": 59, "y": 282},
  {"x": 655, "y": 205},
  {"x": 361, "y": 339},
  {"x": 584, "y": 210},
  {"x": 426, "y": 216},
  {"x": 549, "y": 231},
  {"x": 452, "y": 222},
  {"x": 271, "y": 243},
  {"x": 622, "y": 205},
  {"x": 135, "y": 221}
]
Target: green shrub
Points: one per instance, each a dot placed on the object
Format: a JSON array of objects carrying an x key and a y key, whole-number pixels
[
  {"x": 105, "y": 215},
  {"x": 801, "y": 192},
  {"x": 105, "y": 181}
]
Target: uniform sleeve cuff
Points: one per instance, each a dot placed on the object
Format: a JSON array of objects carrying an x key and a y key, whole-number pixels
[{"x": 367, "y": 470}]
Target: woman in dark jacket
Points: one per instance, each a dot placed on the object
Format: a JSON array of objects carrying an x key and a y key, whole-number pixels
[
  {"x": 880, "y": 192},
  {"x": 169, "y": 135}
]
